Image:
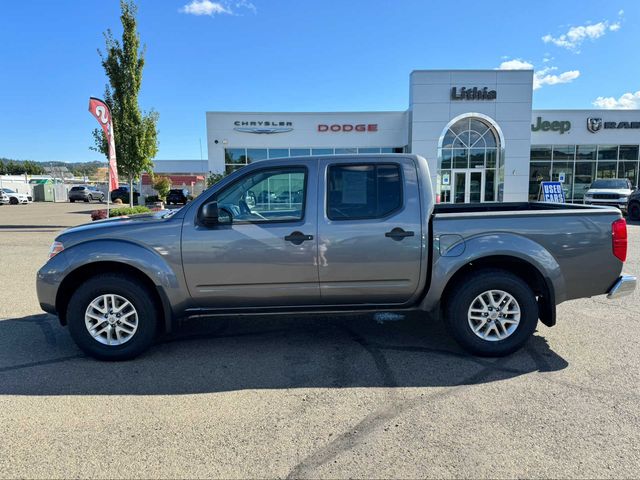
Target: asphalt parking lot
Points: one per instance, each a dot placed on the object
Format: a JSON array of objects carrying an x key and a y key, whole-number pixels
[{"x": 319, "y": 397}]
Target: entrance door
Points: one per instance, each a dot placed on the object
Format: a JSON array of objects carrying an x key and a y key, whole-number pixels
[{"x": 467, "y": 186}]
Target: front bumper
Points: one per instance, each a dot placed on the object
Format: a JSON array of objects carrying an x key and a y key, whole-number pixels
[
  {"x": 621, "y": 204},
  {"x": 625, "y": 285}
]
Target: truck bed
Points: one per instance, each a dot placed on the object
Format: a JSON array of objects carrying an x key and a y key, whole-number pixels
[{"x": 514, "y": 207}]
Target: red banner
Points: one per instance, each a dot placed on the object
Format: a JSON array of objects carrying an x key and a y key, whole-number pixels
[{"x": 101, "y": 111}]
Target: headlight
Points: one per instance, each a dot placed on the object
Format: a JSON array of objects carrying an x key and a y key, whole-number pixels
[{"x": 56, "y": 248}]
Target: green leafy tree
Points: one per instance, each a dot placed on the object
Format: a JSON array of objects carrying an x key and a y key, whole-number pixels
[
  {"x": 162, "y": 185},
  {"x": 214, "y": 178},
  {"x": 135, "y": 133}
]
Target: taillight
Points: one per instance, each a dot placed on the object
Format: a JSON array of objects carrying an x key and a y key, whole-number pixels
[{"x": 619, "y": 239}]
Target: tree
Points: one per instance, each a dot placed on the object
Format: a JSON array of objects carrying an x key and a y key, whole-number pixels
[
  {"x": 162, "y": 185},
  {"x": 135, "y": 132},
  {"x": 214, "y": 178}
]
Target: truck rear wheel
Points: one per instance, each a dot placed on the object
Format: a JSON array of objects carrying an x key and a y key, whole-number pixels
[
  {"x": 111, "y": 317},
  {"x": 491, "y": 313}
]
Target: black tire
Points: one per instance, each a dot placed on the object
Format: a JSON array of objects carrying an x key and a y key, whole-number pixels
[
  {"x": 13, "y": 201},
  {"x": 464, "y": 294},
  {"x": 71, "y": 200},
  {"x": 136, "y": 294},
  {"x": 633, "y": 211}
]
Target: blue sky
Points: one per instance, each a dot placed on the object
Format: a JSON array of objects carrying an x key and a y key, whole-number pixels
[{"x": 295, "y": 55}]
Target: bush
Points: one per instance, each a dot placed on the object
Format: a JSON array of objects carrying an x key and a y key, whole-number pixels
[
  {"x": 214, "y": 178},
  {"x": 152, "y": 199},
  {"x": 162, "y": 185},
  {"x": 121, "y": 212}
]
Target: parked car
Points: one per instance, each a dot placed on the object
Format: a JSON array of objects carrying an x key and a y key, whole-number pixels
[
  {"x": 4, "y": 198},
  {"x": 368, "y": 237},
  {"x": 85, "y": 193},
  {"x": 123, "y": 194},
  {"x": 613, "y": 192},
  {"x": 633, "y": 207},
  {"x": 178, "y": 196},
  {"x": 16, "y": 198}
]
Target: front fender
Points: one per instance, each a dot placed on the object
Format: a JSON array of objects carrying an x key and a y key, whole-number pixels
[
  {"x": 163, "y": 270},
  {"x": 474, "y": 248}
]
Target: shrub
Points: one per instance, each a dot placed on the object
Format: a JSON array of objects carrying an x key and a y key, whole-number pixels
[
  {"x": 162, "y": 185},
  {"x": 152, "y": 199},
  {"x": 121, "y": 212},
  {"x": 214, "y": 178}
]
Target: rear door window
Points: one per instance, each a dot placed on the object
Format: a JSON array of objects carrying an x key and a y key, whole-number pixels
[{"x": 363, "y": 191}]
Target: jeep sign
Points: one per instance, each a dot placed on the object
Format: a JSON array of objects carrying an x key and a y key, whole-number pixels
[{"x": 554, "y": 126}]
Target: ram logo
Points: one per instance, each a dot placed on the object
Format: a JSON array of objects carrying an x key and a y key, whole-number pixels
[{"x": 594, "y": 124}]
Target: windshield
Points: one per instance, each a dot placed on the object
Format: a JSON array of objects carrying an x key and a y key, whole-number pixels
[
  {"x": 611, "y": 183},
  {"x": 8, "y": 190}
]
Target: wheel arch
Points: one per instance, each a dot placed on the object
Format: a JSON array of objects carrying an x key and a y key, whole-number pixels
[
  {"x": 529, "y": 273},
  {"x": 76, "y": 277}
]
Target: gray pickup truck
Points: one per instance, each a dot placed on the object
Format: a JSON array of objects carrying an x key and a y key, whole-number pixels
[{"x": 332, "y": 234}]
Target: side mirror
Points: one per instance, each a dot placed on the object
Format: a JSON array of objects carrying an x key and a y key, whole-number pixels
[{"x": 211, "y": 215}]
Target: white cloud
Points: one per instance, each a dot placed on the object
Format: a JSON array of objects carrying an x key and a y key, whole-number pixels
[
  {"x": 627, "y": 101},
  {"x": 207, "y": 7},
  {"x": 543, "y": 76},
  {"x": 516, "y": 64},
  {"x": 575, "y": 36}
]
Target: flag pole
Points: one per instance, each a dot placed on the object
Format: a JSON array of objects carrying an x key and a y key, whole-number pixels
[{"x": 108, "y": 187}]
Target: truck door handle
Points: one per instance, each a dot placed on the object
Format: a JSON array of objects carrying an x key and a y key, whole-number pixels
[
  {"x": 298, "y": 237},
  {"x": 398, "y": 234}
]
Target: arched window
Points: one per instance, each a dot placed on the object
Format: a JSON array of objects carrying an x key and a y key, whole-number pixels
[{"x": 470, "y": 143}]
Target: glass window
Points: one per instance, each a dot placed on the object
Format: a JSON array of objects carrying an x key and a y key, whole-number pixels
[
  {"x": 460, "y": 158},
  {"x": 300, "y": 152},
  {"x": 235, "y": 156},
  {"x": 369, "y": 150},
  {"x": 363, "y": 191},
  {"x": 628, "y": 170},
  {"x": 538, "y": 172},
  {"x": 266, "y": 195},
  {"x": 540, "y": 152},
  {"x": 564, "y": 152},
  {"x": 567, "y": 169},
  {"x": 607, "y": 152},
  {"x": 490, "y": 185},
  {"x": 445, "y": 186},
  {"x": 476, "y": 157},
  {"x": 584, "y": 175},
  {"x": 322, "y": 151},
  {"x": 256, "y": 154},
  {"x": 586, "y": 152},
  {"x": 628, "y": 152},
  {"x": 446, "y": 158},
  {"x": 492, "y": 154},
  {"x": 607, "y": 170},
  {"x": 278, "y": 152},
  {"x": 391, "y": 150},
  {"x": 346, "y": 151}
]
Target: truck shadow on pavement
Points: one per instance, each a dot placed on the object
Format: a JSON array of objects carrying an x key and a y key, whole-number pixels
[{"x": 38, "y": 357}]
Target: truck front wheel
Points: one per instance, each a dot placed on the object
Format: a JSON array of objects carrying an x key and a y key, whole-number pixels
[
  {"x": 491, "y": 313},
  {"x": 111, "y": 317}
]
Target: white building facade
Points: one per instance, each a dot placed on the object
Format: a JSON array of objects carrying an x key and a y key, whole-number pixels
[{"x": 477, "y": 129}]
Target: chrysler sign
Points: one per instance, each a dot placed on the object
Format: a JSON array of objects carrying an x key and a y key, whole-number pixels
[{"x": 262, "y": 126}]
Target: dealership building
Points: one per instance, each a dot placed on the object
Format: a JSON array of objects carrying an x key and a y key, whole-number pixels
[{"x": 476, "y": 128}]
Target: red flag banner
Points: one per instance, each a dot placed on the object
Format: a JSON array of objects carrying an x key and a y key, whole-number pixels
[{"x": 101, "y": 111}]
